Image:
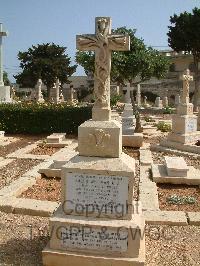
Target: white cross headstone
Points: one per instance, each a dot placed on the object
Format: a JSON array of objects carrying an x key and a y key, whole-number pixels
[
  {"x": 103, "y": 43},
  {"x": 127, "y": 96},
  {"x": 186, "y": 86},
  {"x": 2, "y": 34},
  {"x": 38, "y": 88}
]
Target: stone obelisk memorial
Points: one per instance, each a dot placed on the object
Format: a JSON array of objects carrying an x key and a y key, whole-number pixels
[
  {"x": 98, "y": 223},
  {"x": 4, "y": 90}
]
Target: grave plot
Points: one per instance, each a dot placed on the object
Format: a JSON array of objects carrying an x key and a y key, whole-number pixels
[
  {"x": 170, "y": 184},
  {"x": 18, "y": 142},
  {"x": 179, "y": 197},
  {"x": 15, "y": 169},
  {"x": 44, "y": 189},
  {"x": 44, "y": 150}
]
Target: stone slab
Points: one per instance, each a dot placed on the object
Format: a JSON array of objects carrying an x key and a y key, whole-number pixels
[
  {"x": 35, "y": 207},
  {"x": 165, "y": 217},
  {"x": 135, "y": 140},
  {"x": 176, "y": 166},
  {"x": 75, "y": 233},
  {"x": 101, "y": 182},
  {"x": 188, "y": 138},
  {"x": 56, "y": 138},
  {"x": 145, "y": 157},
  {"x": 193, "y": 218},
  {"x": 179, "y": 146},
  {"x": 159, "y": 174},
  {"x": 65, "y": 258},
  {"x": 159, "y": 148},
  {"x": 4, "y": 162},
  {"x": 17, "y": 186},
  {"x": 148, "y": 195}
]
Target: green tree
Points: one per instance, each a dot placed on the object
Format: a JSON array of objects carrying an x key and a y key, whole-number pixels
[
  {"x": 45, "y": 61},
  {"x": 184, "y": 35},
  {"x": 141, "y": 61},
  {"x": 6, "y": 79}
]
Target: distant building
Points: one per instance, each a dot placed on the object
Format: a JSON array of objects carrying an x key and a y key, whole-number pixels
[{"x": 172, "y": 84}]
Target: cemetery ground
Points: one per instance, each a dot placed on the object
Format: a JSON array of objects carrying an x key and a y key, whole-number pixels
[{"x": 171, "y": 238}]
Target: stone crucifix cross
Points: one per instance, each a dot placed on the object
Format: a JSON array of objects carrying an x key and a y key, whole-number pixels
[
  {"x": 128, "y": 89},
  {"x": 186, "y": 86},
  {"x": 103, "y": 43},
  {"x": 2, "y": 34}
]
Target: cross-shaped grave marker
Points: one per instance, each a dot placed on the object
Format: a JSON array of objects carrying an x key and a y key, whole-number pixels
[{"x": 103, "y": 43}]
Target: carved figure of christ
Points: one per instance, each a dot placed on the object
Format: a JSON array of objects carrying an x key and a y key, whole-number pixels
[
  {"x": 103, "y": 43},
  {"x": 186, "y": 86}
]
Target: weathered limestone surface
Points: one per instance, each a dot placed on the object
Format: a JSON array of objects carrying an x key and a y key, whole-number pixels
[
  {"x": 159, "y": 173},
  {"x": 135, "y": 140},
  {"x": 100, "y": 138},
  {"x": 165, "y": 217},
  {"x": 194, "y": 218},
  {"x": 176, "y": 166}
]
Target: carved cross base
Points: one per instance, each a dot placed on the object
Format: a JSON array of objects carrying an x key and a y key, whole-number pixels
[
  {"x": 101, "y": 114},
  {"x": 100, "y": 139}
]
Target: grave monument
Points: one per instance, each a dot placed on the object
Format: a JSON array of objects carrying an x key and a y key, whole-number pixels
[
  {"x": 99, "y": 178},
  {"x": 184, "y": 122},
  {"x": 38, "y": 92},
  {"x": 55, "y": 92},
  {"x": 158, "y": 103},
  {"x": 128, "y": 119},
  {"x": 4, "y": 90}
]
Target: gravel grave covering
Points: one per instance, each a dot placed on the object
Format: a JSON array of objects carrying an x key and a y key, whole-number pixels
[
  {"x": 167, "y": 190},
  {"x": 43, "y": 150},
  {"x": 15, "y": 169},
  {"x": 23, "y": 237},
  {"x": 44, "y": 189},
  {"x": 21, "y": 143},
  {"x": 133, "y": 152}
]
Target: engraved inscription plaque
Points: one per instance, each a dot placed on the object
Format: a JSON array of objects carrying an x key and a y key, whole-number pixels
[
  {"x": 96, "y": 193},
  {"x": 73, "y": 237},
  {"x": 191, "y": 125}
]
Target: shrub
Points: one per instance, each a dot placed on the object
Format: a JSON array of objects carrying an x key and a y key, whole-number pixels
[
  {"x": 164, "y": 127},
  {"x": 180, "y": 200},
  {"x": 114, "y": 99},
  {"x": 148, "y": 119},
  {"x": 42, "y": 118},
  {"x": 167, "y": 110}
]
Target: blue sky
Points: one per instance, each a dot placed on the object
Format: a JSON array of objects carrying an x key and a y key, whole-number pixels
[{"x": 31, "y": 22}]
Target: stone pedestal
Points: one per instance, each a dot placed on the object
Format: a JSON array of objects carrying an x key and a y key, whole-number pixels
[
  {"x": 97, "y": 218},
  {"x": 128, "y": 120},
  {"x": 184, "y": 125},
  {"x": 184, "y": 130},
  {"x": 100, "y": 138},
  {"x": 5, "y": 94}
]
